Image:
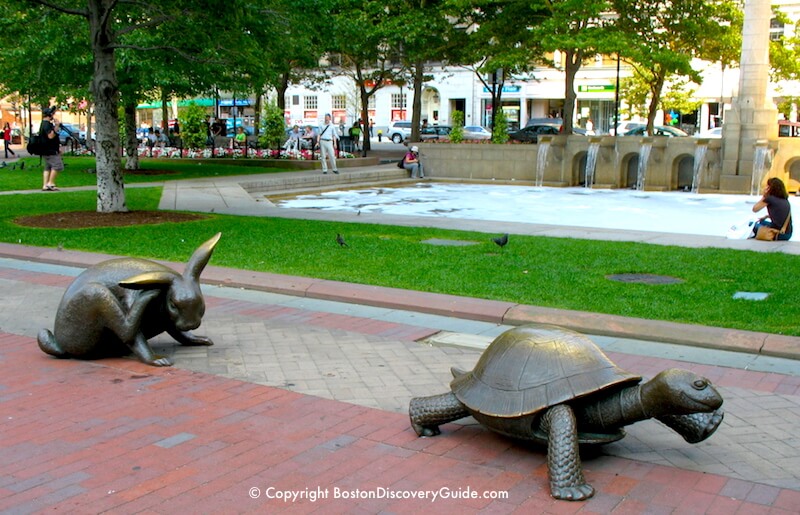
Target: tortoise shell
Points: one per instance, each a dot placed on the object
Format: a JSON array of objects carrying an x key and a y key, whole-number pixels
[{"x": 533, "y": 367}]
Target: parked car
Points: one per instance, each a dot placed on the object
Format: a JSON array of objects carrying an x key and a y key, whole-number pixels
[
  {"x": 433, "y": 133},
  {"x": 787, "y": 129},
  {"x": 531, "y": 133},
  {"x": 714, "y": 133},
  {"x": 658, "y": 130},
  {"x": 399, "y": 130},
  {"x": 476, "y": 132},
  {"x": 69, "y": 135},
  {"x": 623, "y": 127}
]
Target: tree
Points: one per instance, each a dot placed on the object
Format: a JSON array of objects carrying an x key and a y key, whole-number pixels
[
  {"x": 361, "y": 44},
  {"x": 422, "y": 45},
  {"x": 178, "y": 29},
  {"x": 496, "y": 42},
  {"x": 661, "y": 37},
  {"x": 579, "y": 29}
]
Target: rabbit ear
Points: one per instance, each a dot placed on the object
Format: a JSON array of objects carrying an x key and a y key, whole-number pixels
[
  {"x": 149, "y": 280},
  {"x": 200, "y": 258}
]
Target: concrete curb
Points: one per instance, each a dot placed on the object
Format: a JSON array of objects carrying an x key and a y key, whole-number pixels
[{"x": 499, "y": 312}]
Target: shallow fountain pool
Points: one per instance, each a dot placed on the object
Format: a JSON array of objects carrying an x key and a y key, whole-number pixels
[{"x": 673, "y": 212}]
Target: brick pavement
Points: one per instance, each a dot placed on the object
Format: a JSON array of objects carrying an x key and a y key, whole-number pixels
[{"x": 255, "y": 411}]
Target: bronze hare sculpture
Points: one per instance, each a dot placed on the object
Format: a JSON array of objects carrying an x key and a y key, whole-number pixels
[
  {"x": 553, "y": 386},
  {"x": 114, "y": 307}
]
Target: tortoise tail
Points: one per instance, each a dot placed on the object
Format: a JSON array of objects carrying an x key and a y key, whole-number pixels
[
  {"x": 696, "y": 427},
  {"x": 49, "y": 345},
  {"x": 427, "y": 413}
]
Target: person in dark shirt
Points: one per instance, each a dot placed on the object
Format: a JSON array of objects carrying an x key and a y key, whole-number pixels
[
  {"x": 779, "y": 211},
  {"x": 53, "y": 163}
]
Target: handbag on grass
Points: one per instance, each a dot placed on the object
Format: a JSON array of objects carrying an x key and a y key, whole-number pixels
[{"x": 768, "y": 233}]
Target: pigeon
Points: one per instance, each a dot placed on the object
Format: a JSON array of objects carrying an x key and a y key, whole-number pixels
[
  {"x": 3, "y": 165},
  {"x": 22, "y": 165},
  {"x": 341, "y": 241},
  {"x": 502, "y": 240}
]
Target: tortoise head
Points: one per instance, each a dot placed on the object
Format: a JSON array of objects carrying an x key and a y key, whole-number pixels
[{"x": 679, "y": 392}]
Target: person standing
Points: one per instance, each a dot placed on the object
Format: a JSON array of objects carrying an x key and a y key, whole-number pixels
[
  {"x": 7, "y": 140},
  {"x": 53, "y": 163},
  {"x": 328, "y": 143}
]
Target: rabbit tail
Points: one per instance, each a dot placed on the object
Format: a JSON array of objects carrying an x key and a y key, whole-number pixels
[{"x": 49, "y": 345}]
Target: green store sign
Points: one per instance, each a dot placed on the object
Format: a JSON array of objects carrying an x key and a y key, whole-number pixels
[{"x": 596, "y": 88}]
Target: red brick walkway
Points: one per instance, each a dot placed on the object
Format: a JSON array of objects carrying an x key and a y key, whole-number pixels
[{"x": 121, "y": 436}]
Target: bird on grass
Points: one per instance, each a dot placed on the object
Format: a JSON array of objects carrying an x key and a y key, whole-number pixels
[
  {"x": 502, "y": 241},
  {"x": 22, "y": 165},
  {"x": 341, "y": 241}
]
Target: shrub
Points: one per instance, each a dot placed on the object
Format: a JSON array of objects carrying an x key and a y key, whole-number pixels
[
  {"x": 193, "y": 126},
  {"x": 457, "y": 133},
  {"x": 500, "y": 131},
  {"x": 273, "y": 125}
]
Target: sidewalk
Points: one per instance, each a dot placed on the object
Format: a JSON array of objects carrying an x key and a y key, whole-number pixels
[{"x": 306, "y": 391}]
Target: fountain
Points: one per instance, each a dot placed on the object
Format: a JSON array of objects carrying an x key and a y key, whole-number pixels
[
  {"x": 541, "y": 161},
  {"x": 700, "y": 152},
  {"x": 762, "y": 162},
  {"x": 591, "y": 162},
  {"x": 644, "y": 156}
]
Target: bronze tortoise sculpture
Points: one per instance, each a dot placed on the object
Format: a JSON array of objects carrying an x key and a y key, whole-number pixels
[{"x": 554, "y": 386}]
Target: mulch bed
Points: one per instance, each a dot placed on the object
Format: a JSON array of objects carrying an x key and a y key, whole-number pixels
[{"x": 88, "y": 219}]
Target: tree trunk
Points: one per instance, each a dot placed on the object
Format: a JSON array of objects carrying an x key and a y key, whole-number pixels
[
  {"x": 257, "y": 117},
  {"x": 416, "y": 105},
  {"x": 110, "y": 182},
  {"x": 164, "y": 112},
  {"x": 659, "y": 76},
  {"x": 131, "y": 143},
  {"x": 573, "y": 64},
  {"x": 366, "y": 145}
]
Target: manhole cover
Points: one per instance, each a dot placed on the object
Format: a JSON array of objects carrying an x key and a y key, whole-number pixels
[{"x": 644, "y": 279}]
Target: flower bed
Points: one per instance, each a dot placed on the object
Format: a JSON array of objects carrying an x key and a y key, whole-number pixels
[{"x": 224, "y": 153}]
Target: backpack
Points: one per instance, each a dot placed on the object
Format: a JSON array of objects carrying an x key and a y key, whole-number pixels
[
  {"x": 39, "y": 144},
  {"x": 401, "y": 162},
  {"x": 36, "y": 145}
]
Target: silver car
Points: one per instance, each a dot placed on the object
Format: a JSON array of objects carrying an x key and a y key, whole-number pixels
[{"x": 476, "y": 132}]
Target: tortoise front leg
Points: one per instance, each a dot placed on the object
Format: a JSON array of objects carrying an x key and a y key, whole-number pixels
[
  {"x": 427, "y": 413},
  {"x": 563, "y": 458}
]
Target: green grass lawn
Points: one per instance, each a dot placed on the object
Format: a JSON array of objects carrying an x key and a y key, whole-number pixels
[
  {"x": 79, "y": 171},
  {"x": 553, "y": 272}
]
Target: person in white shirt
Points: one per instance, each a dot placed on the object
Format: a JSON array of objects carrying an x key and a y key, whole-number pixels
[{"x": 328, "y": 142}]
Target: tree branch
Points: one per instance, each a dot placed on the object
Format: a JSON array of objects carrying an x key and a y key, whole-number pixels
[{"x": 77, "y": 12}]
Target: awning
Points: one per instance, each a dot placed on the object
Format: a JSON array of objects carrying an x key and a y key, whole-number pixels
[{"x": 202, "y": 102}]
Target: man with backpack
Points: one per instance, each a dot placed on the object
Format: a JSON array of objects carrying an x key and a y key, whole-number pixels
[{"x": 51, "y": 149}]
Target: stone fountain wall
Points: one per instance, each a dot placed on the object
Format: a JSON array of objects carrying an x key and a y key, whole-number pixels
[{"x": 670, "y": 165}]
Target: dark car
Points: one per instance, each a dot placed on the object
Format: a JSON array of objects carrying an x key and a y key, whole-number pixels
[
  {"x": 433, "y": 132},
  {"x": 531, "y": 133}
]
